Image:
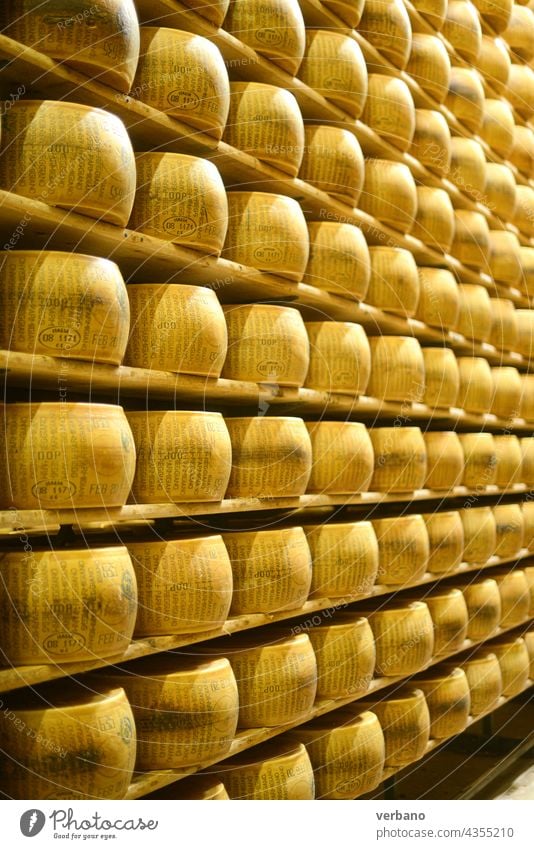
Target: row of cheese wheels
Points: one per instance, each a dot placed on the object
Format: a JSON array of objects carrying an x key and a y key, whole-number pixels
[
  {"x": 72, "y": 605},
  {"x": 172, "y": 713}
]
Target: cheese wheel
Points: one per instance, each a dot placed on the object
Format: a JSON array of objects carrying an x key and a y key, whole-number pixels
[
  {"x": 504, "y": 258},
  {"x": 65, "y": 606},
  {"x": 465, "y": 98},
  {"x": 519, "y": 34},
  {"x": 267, "y": 232},
  {"x": 494, "y": 63},
  {"x": 385, "y": 24},
  {"x": 99, "y": 39},
  {"x": 183, "y": 75},
  {"x": 184, "y": 585},
  {"x": 445, "y": 459},
  {"x": 431, "y": 143},
  {"x": 429, "y": 65},
  {"x": 526, "y": 256},
  {"x": 475, "y": 318},
  {"x": 528, "y": 521},
  {"x": 522, "y": 153},
  {"x": 340, "y": 357},
  {"x": 462, "y": 28},
  {"x": 185, "y": 709},
  {"x": 68, "y": 155},
  {"x": 271, "y": 457},
  {"x": 449, "y": 616},
  {"x": 471, "y": 238},
  {"x": 480, "y": 534},
  {"x": 389, "y": 110},
  {"x": 476, "y": 384},
  {"x": 400, "y": 459},
  {"x": 506, "y": 392},
  {"x": 181, "y": 456},
  {"x": 342, "y": 457},
  {"x": 433, "y": 11},
  {"x": 442, "y": 377},
  {"x": 272, "y": 570},
  {"x": 61, "y": 304},
  {"x": 434, "y": 222},
  {"x": 504, "y": 324},
  {"x": 335, "y": 68},
  {"x": 347, "y": 753},
  {"x": 484, "y": 606},
  {"x": 446, "y": 539},
  {"x": 389, "y": 193},
  {"x": 404, "y": 637},
  {"x": 514, "y": 661},
  {"x": 526, "y": 409},
  {"x": 498, "y": 127},
  {"x": 496, "y": 12},
  {"x": 449, "y": 700},
  {"x": 176, "y": 328},
  {"x": 345, "y": 651},
  {"x": 278, "y": 769},
  {"x": 273, "y": 28},
  {"x": 468, "y": 167},
  {"x": 350, "y": 11},
  {"x": 529, "y": 642},
  {"x": 403, "y": 548},
  {"x": 521, "y": 90},
  {"x": 513, "y": 586},
  {"x": 266, "y": 344},
  {"x": 508, "y": 453},
  {"x": 345, "y": 558},
  {"x": 524, "y": 214},
  {"x": 339, "y": 259},
  {"x": 397, "y": 369},
  {"x": 529, "y": 575},
  {"x": 65, "y": 454},
  {"x": 525, "y": 333},
  {"x": 394, "y": 284},
  {"x": 180, "y": 199},
  {"x": 333, "y": 162},
  {"x": 527, "y": 463},
  {"x": 405, "y": 722},
  {"x": 483, "y": 673},
  {"x": 439, "y": 300},
  {"x": 265, "y": 121},
  {"x": 212, "y": 10},
  {"x": 202, "y": 787},
  {"x": 480, "y": 460}
]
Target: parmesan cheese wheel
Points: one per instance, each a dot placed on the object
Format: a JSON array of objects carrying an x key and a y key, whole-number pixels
[
  {"x": 347, "y": 753},
  {"x": 68, "y": 155},
  {"x": 271, "y": 457},
  {"x": 65, "y": 454},
  {"x": 339, "y": 259},
  {"x": 527, "y": 463},
  {"x": 446, "y": 538},
  {"x": 468, "y": 167},
  {"x": 342, "y": 457},
  {"x": 184, "y": 585},
  {"x": 203, "y": 787},
  {"x": 74, "y": 744},
  {"x": 439, "y": 300},
  {"x": 519, "y": 34},
  {"x": 390, "y": 110},
  {"x": 181, "y": 456},
  {"x": 522, "y": 153},
  {"x": 266, "y": 344},
  {"x": 471, "y": 238},
  {"x": 476, "y": 384},
  {"x": 526, "y": 256},
  {"x": 506, "y": 392},
  {"x": 513, "y": 586},
  {"x": 434, "y": 222},
  {"x": 183, "y": 75},
  {"x": 180, "y": 199},
  {"x": 526, "y": 409},
  {"x": 504, "y": 324},
  {"x": 429, "y": 65},
  {"x": 508, "y": 453},
  {"x": 61, "y": 304},
  {"x": 185, "y": 709},
  {"x": 278, "y": 769},
  {"x": 442, "y": 377},
  {"x": 449, "y": 616},
  {"x": 498, "y": 127},
  {"x": 521, "y": 90},
  {"x": 268, "y": 232},
  {"x": 394, "y": 283},
  {"x": 484, "y": 677},
  {"x": 475, "y": 318},
  {"x": 400, "y": 459},
  {"x": 449, "y": 700},
  {"x": 431, "y": 143},
  {"x": 405, "y": 722},
  {"x": 525, "y": 333},
  {"x": 445, "y": 459},
  {"x": 528, "y": 523},
  {"x": 333, "y": 162},
  {"x": 397, "y": 369},
  {"x": 495, "y": 12},
  {"x": 462, "y": 29},
  {"x": 480, "y": 534},
  {"x": 480, "y": 459},
  {"x": 340, "y": 357},
  {"x": 272, "y": 570},
  {"x": 100, "y": 39},
  {"x": 65, "y": 606},
  {"x": 389, "y": 193},
  {"x": 345, "y": 558},
  {"x": 212, "y": 10},
  {"x": 494, "y": 63},
  {"x": 350, "y": 11},
  {"x": 514, "y": 661},
  {"x": 433, "y": 10},
  {"x": 504, "y": 257},
  {"x": 465, "y": 98},
  {"x": 403, "y": 549},
  {"x": 484, "y": 607},
  {"x": 334, "y": 67},
  {"x": 529, "y": 642},
  {"x": 273, "y": 28},
  {"x": 404, "y": 637},
  {"x": 385, "y": 24},
  {"x": 176, "y": 328},
  {"x": 345, "y": 651},
  {"x": 265, "y": 121},
  {"x": 524, "y": 214}
]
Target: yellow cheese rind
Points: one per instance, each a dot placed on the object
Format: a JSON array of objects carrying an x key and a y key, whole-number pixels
[
  {"x": 403, "y": 548},
  {"x": 431, "y": 143},
  {"x": 483, "y": 673},
  {"x": 480, "y": 535},
  {"x": 480, "y": 460},
  {"x": 496, "y": 12},
  {"x": 468, "y": 167},
  {"x": 450, "y": 618},
  {"x": 339, "y": 259},
  {"x": 345, "y": 652},
  {"x": 400, "y": 459},
  {"x": 527, "y": 464},
  {"x": 345, "y": 558},
  {"x": 274, "y": 29},
  {"x": 498, "y": 128},
  {"x": 475, "y": 317},
  {"x": 494, "y": 63},
  {"x": 465, "y": 98},
  {"x": 484, "y": 607},
  {"x": 462, "y": 29},
  {"x": 335, "y": 68},
  {"x": 278, "y": 769},
  {"x": 340, "y": 357},
  {"x": 513, "y": 586},
  {"x": 404, "y": 638},
  {"x": 394, "y": 284},
  {"x": 333, "y": 162},
  {"x": 212, "y": 10},
  {"x": 434, "y": 222},
  {"x": 389, "y": 193},
  {"x": 504, "y": 328},
  {"x": 429, "y": 65},
  {"x": 405, "y": 722},
  {"x": 442, "y": 378},
  {"x": 509, "y": 460},
  {"x": 342, "y": 457},
  {"x": 386, "y": 25},
  {"x": 514, "y": 661},
  {"x": 476, "y": 384},
  {"x": 397, "y": 369},
  {"x": 389, "y": 110},
  {"x": 445, "y": 459},
  {"x": 506, "y": 392},
  {"x": 446, "y": 538},
  {"x": 449, "y": 701}
]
